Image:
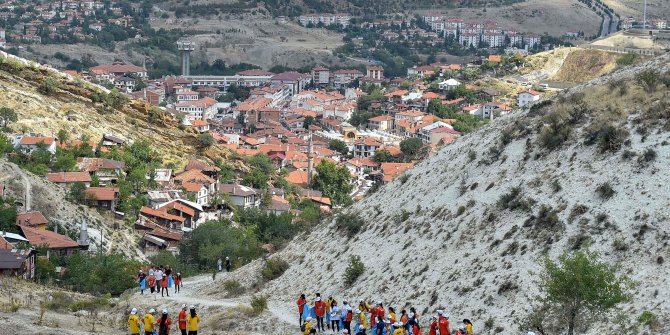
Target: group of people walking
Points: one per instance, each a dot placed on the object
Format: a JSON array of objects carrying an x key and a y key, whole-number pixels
[
  {"x": 359, "y": 319},
  {"x": 159, "y": 280},
  {"x": 187, "y": 322}
]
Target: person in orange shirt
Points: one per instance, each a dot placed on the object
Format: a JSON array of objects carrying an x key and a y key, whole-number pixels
[
  {"x": 433, "y": 326},
  {"x": 301, "y": 302},
  {"x": 164, "y": 284},
  {"x": 443, "y": 322},
  {"x": 320, "y": 311},
  {"x": 182, "y": 320},
  {"x": 177, "y": 282}
]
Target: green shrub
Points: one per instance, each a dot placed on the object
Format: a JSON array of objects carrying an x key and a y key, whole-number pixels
[
  {"x": 555, "y": 132},
  {"x": 353, "y": 271},
  {"x": 92, "y": 304},
  {"x": 274, "y": 268},
  {"x": 513, "y": 200},
  {"x": 259, "y": 303},
  {"x": 648, "y": 318},
  {"x": 627, "y": 59},
  {"x": 608, "y": 138},
  {"x": 233, "y": 287},
  {"x": 605, "y": 190},
  {"x": 49, "y": 86},
  {"x": 349, "y": 223},
  {"x": 649, "y": 80}
]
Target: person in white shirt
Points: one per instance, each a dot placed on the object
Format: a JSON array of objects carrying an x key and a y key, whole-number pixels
[
  {"x": 159, "y": 277},
  {"x": 334, "y": 316}
]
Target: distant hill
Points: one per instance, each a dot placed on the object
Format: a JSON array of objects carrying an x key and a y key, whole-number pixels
[{"x": 355, "y": 7}]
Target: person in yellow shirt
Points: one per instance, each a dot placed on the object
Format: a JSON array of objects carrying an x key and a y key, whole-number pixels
[
  {"x": 307, "y": 326},
  {"x": 149, "y": 321},
  {"x": 398, "y": 329},
  {"x": 193, "y": 320},
  {"x": 468, "y": 326},
  {"x": 134, "y": 322},
  {"x": 362, "y": 322},
  {"x": 329, "y": 303}
]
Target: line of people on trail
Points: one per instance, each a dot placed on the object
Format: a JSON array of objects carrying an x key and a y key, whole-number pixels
[
  {"x": 187, "y": 322},
  {"x": 348, "y": 319},
  {"x": 159, "y": 280}
]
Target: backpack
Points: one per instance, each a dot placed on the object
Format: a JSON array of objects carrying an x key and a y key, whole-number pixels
[{"x": 302, "y": 327}]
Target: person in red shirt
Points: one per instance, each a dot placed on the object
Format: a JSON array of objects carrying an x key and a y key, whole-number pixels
[
  {"x": 152, "y": 283},
  {"x": 347, "y": 319},
  {"x": 443, "y": 322},
  {"x": 182, "y": 320},
  {"x": 433, "y": 326},
  {"x": 320, "y": 311},
  {"x": 164, "y": 283},
  {"x": 177, "y": 282},
  {"x": 164, "y": 323},
  {"x": 380, "y": 310},
  {"x": 302, "y": 301}
]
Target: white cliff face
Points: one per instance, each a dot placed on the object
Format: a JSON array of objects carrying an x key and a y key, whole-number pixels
[{"x": 439, "y": 238}]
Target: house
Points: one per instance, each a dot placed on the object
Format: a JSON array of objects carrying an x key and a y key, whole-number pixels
[
  {"x": 28, "y": 144},
  {"x": 375, "y": 72},
  {"x": 163, "y": 218},
  {"x": 410, "y": 116},
  {"x": 206, "y": 169},
  {"x": 102, "y": 197},
  {"x": 240, "y": 195},
  {"x": 158, "y": 198},
  {"x": 391, "y": 170},
  {"x": 198, "y": 182},
  {"x": 297, "y": 177},
  {"x": 366, "y": 147},
  {"x": 200, "y": 126},
  {"x": 110, "y": 71},
  {"x": 201, "y": 109},
  {"x": 342, "y": 78},
  {"x": 278, "y": 205},
  {"x": 17, "y": 263},
  {"x": 324, "y": 203},
  {"x": 199, "y": 191},
  {"x": 469, "y": 40},
  {"x": 360, "y": 166},
  {"x": 188, "y": 210},
  {"x": 321, "y": 75},
  {"x": 106, "y": 170},
  {"x": 527, "y": 97},
  {"x": 420, "y": 71},
  {"x": 449, "y": 84},
  {"x": 160, "y": 239},
  {"x": 491, "y": 108},
  {"x": 381, "y": 123},
  {"x": 33, "y": 219},
  {"x": 68, "y": 178},
  {"x": 436, "y": 132},
  {"x": 54, "y": 243},
  {"x": 109, "y": 141},
  {"x": 295, "y": 81},
  {"x": 150, "y": 96}
]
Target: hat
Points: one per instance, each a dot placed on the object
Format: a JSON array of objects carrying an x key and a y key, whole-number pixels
[
  {"x": 309, "y": 318},
  {"x": 183, "y": 306},
  {"x": 152, "y": 311},
  {"x": 461, "y": 327},
  {"x": 396, "y": 325},
  {"x": 357, "y": 311},
  {"x": 345, "y": 332},
  {"x": 440, "y": 312},
  {"x": 164, "y": 311},
  {"x": 379, "y": 302},
  {"x": 318, "y": 298},
  {"x": 192, "y": 307},
  {"x": 410, "y": 315},
  {"x": 446, "y": 315},
  {"x": 400, "y": 324},
  {"x": 133, "y": 311}
]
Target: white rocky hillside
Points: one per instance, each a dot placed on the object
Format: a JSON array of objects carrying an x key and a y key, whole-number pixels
[{"x": 464, "y": 230}]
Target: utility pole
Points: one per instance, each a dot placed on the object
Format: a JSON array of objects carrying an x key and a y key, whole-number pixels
[
  {"x": 310, "y": 160},
  {"x": 644, "y": 21}
]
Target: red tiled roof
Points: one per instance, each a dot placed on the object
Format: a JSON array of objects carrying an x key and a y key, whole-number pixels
[
  {"x": 170, "y": 235},
  {"x": 31, "y": 219},
  {"x": 192, "y": 187},
  {"x": 178, "y": 206},
  {"x": 321, "y": 200},
  {"x": 154, "y": 213},
  {"x": 102, "y": 193},
  {"x": 297, "y": 177},
  {"x": 39, "y": 237},
  {"x": 193, "y": 176},
  {"x": 392, "y": 170},
  {"x": 33, "y": 140},
  {"x": 69, "y": 177},
  {"x": 116, "y": 68}
]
